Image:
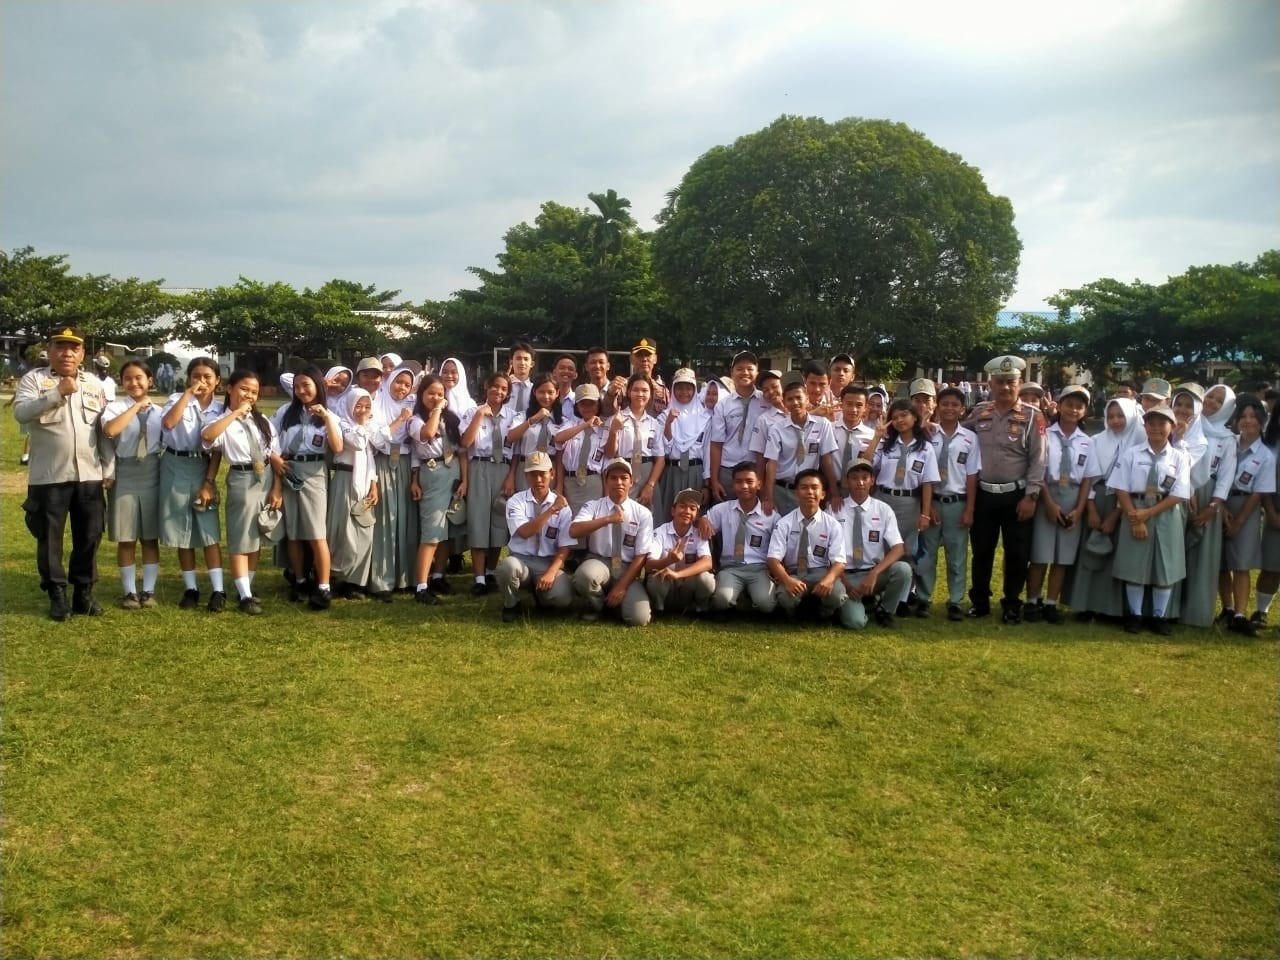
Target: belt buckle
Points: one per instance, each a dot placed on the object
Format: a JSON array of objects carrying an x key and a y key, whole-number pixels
[{"x": 431, "y": 463}]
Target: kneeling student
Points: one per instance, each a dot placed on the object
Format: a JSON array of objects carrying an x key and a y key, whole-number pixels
[
  {"x": 619, "y": 533},
  {"x": 744, "y": 528},
  {"x": 807, "y": 550},
  {"x": 874, "y": 568},
  {"x": 679, "y": 564},
  {"x": 537, "y": 520}
]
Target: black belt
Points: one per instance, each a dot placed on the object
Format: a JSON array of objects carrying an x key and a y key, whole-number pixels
[
  {"x": 786, "y": 484},
  {"x": 902, "y": 493},
  {"x": 488, "y": 458},
  {"x": 344, "y": 466},
  {"x": 306, "y": 458},
  {"x": 525, "y": 456},
  {"x": 183, "y": 453},
  {"x": 1240, "y": 493},
  {"x": 242, "y": 466},
  {"x": 643, "y": 459},
  {"x": 949, "y": 498},
  {"x": 692, "y": 463}
]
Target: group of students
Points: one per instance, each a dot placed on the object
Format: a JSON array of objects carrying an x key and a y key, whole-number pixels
[{"x": 643, "y": 498}]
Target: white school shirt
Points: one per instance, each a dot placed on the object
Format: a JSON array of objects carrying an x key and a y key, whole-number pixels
[
  {"x": 1255, "y": 469},
  {"x": 652, "y": 442},
  {"x": 665, "y": 537},
  {"x": 360, "y": 442},
  {"x": 521, "y": 508},
  {"x": 186, "y": 435},
  {"x": 769, "y": 416},
  {"x": 1134, "y": 465},
  {"x": 304, "y": 439},
  {"x": 826, "y": 540},
  {"x": 1221, "y": 457},
  {"x": 688, "y": 431},
  {"x": 571, "y": 450},
  {"x": 922, "y": 466},
  {"x": 637, "y": 529},
  {"x": 725, "y": 517},
  {"x": 423, "y": 450},
  {"x": 862, "y": 435},
  {"x": 1082, "y": 461},
  {"x": 529, "y": 442},
  {"x": 520, "y": 390},
  {"x": 880, "y": 532},
  {"x": 482, "y": 448},
  {"x": 780, "y": 446},
  {"x": 964, "y": 458},
  {"x": 236, "y": 445},
  {"x": 726, "y": 422},
  {"x": 126, "y": 445}
]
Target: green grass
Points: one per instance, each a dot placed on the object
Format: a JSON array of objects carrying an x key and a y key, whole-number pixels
[{"x": 402, "y": 781}]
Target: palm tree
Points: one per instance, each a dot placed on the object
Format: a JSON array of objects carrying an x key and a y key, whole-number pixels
[{"x": 603, "y": 232}]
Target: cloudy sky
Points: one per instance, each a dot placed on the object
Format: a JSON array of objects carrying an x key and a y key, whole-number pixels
[{"x": 394, "y": 141}]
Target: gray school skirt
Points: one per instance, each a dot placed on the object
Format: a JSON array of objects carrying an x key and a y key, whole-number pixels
[
  {"x": 1050, "y": 543},
  {"x": 1161, "y": 559},
  {"x": 246, "y": 496},
  {"x": 486, "y": 528},
  {"x": 1244, "y": 550},
  {"x": 306, "y": 510},
  {"x": 182, "y": 526},
  {"x": 437, "y": 492},
  {"x": 133, "y": 502}
]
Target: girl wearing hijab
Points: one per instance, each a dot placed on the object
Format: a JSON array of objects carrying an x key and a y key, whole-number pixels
[
  {"x": 390, "y": 361},
  {"x": 454, "y": 375},
  {"x": 685, "y": 424},
  {"x": 1255, "y": 478},
  {"x": 1094, "y": 592},
  {"x": 307, "y": 431},
  {"x": 1269, "y": 578},
  {"x": 337, "y": 381},
  {"x": 1213, "y": 461},
  {"x": 353, "y": 493},
  {"x": 395, "y": 530},
  {"x": 247, "y": 442},
  {"x": 130, "y": 426},
  {"x": 439, "y": 468},
  {"x": 489, "y": 456}
]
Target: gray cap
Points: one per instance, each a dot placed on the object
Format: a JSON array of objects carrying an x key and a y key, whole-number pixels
[
  {"x": 690, "y": 495},
  {"x": 369, "y": 363},
  {"x": 861, "y": 463},
  {"x": 586, "y": 391},
  {"x": 1163, "y": 410},
  {"x": 614, "y": 464},
  {"x": 1031, "y": 387},
  {"x": 537, "y": 461},
  {"x": 1075, "y": 390},
  {"x": 922, "y": 385},
  {"x": 1194, "y": 389},
  {"x": 1156, "y": 387},
  {"x": 684, "y": 375}
]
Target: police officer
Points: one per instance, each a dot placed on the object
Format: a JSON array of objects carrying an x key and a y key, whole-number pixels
[
  {"x": 61, "y": 404},
  {"x": 1011, "y": 444}
]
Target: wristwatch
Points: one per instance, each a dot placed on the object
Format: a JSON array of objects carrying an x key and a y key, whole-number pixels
[{"x": 1034, "y": 494}]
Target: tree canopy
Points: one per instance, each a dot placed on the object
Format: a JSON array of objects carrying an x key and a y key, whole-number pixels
[{"x": 859, "y": 234}]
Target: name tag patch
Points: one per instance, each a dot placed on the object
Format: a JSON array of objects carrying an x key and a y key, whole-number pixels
[
  {"x": 755, "y": 539},
  {"x": 873, "y": 536}
]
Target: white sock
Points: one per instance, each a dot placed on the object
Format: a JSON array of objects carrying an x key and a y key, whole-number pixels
[
  {"x": 422, "y": 586},
  {"x": 323, "y": 587},
  {"x": 1264, "y": 601},
  {"x": 244, "y": 587},
  {"x": 480, "y": 578},
  {"x": 189, "y": 579},
  {"x": 1050, "y": 602},
  {"x": 129, "y": 579},
  {"x": 150, "y": 574},
  {"x": 215, "y": 580},
  {"x": 1160, "y": 600},
  {"x": 437, "y": 576},
  {"x": 1135, "y": 592}
]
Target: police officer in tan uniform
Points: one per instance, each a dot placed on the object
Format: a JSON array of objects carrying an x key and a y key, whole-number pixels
[
  {"x": 1011, "y": 444},
  {"x": 61, "y": 405}
]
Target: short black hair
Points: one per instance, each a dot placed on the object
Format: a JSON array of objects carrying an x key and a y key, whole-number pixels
[{"x": 813, "y": 368}]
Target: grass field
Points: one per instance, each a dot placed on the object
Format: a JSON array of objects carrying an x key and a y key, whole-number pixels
[{"x": 402, "y": 781}]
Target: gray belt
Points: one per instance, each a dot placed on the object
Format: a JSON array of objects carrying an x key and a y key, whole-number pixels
[{"x": 1002, "y": 487}]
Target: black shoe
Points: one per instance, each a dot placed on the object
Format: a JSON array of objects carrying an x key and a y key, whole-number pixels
[
  {"x": 440, "y": 586},
  {"x": 491, "y": 581},
  {"x": 511, "y": 614},
  {"x": 1259, "y": 619},
  {"x": 217, "y": 601},
  {"x": 1224, "y": 618},
  {"x": 883, "y": 617},
  {"x": 1160, "y": 627},
  {"x": 976, "y": 613},
  {"x": 82, "y": 603},
  {"x": 455, "y": 563},
  {"x": 59, "y": 609},
  {"x": 320, "y": 600},
  {"x": 1033, "y": 612},
  {"x": 1132, "y": 624},
  {"x": 130, "y": 602},
  {"x": 1052, "y": 614},
  {"x": 146, "y": 599},
  {"x": 190, "y": 600},
  {"x": 250, "y": 605},
  {"x": 903, "y": 609},
  {"x": 425, "y": 596},
  {"x": 921, "y": 608},
  {"x": 1011, "y": 615},
  {"x": 480, "y": 589},
  {"x": 1241, "y": 624},
  {"x": 386, "y": 596},
  {"x": 954, "y": 612},
  {"x": 1084, "y": 616}
]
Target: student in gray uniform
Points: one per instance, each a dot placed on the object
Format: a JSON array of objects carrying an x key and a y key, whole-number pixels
[
  {"x": 875, "y": 572},
  {"x": 131, "y": 431},
  {"x": 800, "y": 441},
  {"x": 635, "y": 435},
  {"x": 488, "y": 452},
  {"x": 906, "y": 471},
  {"x": 581, "y": 441},
  {"x": 1213, "y": 467},
  {"x": 1269, "y": 577},
  {"x": 1151, "y": 482},
  {"x": 807, "y": 551},
  {"x": 744, "y": 529},
  {"x": 440, "y": 471},
  {"x": 395, "y": 528},
  {"x": 1255, "y": 478},
  {"x": 538, "y": 520},
  {"x": 678, "y": 572},
  {"x": 534, "y": 429},
  {"x": 353, "y": 495},
  {"x": 951, "y": 510},
  {"x": 618, "y": 532},
  {"x": 731, "y": 424},
  {"x": 684, "y": 428}
]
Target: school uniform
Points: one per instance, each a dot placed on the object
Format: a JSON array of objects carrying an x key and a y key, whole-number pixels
[
  {"x": 901, "y": 473},
  {"x": 1066, "y": 468},
  {"x": 731, "y": 424},
  {"x": 958, "y": 457},
  {"x": 686, "y": 467},
  {"x": 182, "y": 472},
  {"x": 393, "y": 554},
  {"x": 1160, "y": 560},
  {"x": 529, "y": 558},
  {"x": 437, "y": 467},
  {"x": 581, "y": 457},
  {"x": 851, "y": 443},
  {"x": 744, "y": 552},
  {"x": 305, "y": 448},
  {"x": 1213, "y": 469},
  {"x": 807, "y": 549},
  {"x": 540, "y": 438},
  {"x": 678, "y": 596},
  {"x": 490, "y": 459},
  {"x": 518, "y": 395},
  {"x": 133, "y": 502},
  {"x": 768, "y": 419},
  {"x": 1270, "y": 535},
  {"x": 641, "y": 443},
  {"x": 610, "y": 550},
  {"x": 871, "y": 531},
  {"x": 354, "y": 471},
  {"x": 794, "y": 447},
  {"x": 1255, "y": 473},
  {"x": 248, "y": 479}
]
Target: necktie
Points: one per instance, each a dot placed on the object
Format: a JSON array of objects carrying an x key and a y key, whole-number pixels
[
  {"x": 544, "y": 437},
  {"x": 799, "y": 447},
  {"x": 584, "y": 452},
  {"x": 496, "y": 439},
  {"x": 857, "y": 534},
  {"x": 255, "y": 446},
  {"x": 616, "y": 559},
  {"x": 543, "y": 508},
  {"x": 517, "y": 397},
  {"x": 1153, "y": 475},
  {"x": 742, "y": 426},
  {"x": 636, "y": 448},
  {"x": 900, "y": 474},
  {"x": 142, "y": 433},
  {"x": 740, "y": 538},
  {"x": 802, "y": 552},
  {"x": 945, "y": 460},
  {"x": 847, "y": 456},
  {"x": 1064, "y": 463}
]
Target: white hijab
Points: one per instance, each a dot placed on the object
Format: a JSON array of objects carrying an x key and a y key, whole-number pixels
[
  {"x": 1215, "y": 424},
  {"x": 361, "y": 460},
  {"x": 691, "y": 421},
  {"x": 1110, "y": 444},
  {"x": 1194, "y": 440},
  {"x": 335, "y": 400},
  {"x": 460, "y": 400},
  {"x": 385, "y": 407}
]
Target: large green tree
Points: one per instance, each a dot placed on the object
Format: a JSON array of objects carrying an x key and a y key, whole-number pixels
[{"x": 859, "y": 234}]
